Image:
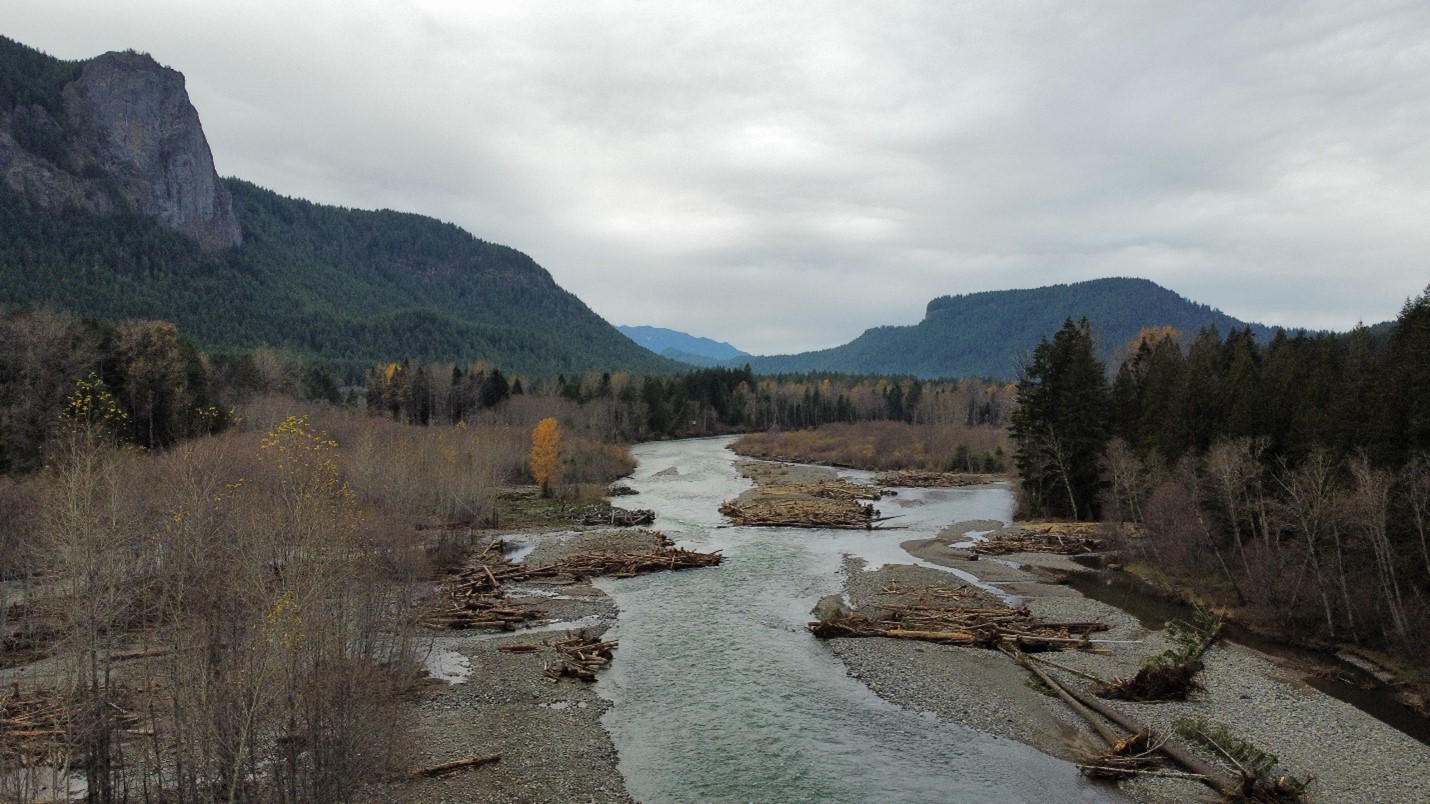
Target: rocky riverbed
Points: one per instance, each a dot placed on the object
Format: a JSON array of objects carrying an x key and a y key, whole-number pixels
[
  {"x": 1349, "y": 755},
  {"x": 549, "y": 734}
]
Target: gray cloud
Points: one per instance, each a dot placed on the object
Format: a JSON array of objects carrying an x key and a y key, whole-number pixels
[{"x": 784, "y": 176}]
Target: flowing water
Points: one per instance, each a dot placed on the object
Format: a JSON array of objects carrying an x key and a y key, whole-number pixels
[{"x": 720, "y": 694}]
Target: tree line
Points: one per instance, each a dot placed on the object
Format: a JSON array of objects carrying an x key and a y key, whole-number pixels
[
  {"x": 1290, "y": 478},
  {"x": 157, "y": 376},
  {"x": 699, "y": 402}
]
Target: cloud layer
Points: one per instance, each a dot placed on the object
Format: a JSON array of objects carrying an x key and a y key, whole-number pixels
[{"x": 783, "y": 176}]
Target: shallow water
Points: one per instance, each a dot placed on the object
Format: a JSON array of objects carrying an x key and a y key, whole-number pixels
[{"x": 720, "y": 694}]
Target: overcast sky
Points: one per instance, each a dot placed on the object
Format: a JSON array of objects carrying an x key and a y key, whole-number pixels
[{"x": 784, "y": 175}]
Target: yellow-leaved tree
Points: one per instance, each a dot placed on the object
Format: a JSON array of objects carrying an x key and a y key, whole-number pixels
[{"x": 545, "y": 453}]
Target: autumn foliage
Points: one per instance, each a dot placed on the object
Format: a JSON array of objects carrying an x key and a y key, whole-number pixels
[{"x": 545, "y": 452}]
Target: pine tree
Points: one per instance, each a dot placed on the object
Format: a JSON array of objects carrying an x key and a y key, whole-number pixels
[{"x": 1060, "y": 427}]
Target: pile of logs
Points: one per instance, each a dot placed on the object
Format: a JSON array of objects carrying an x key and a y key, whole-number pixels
[
  {"x": 1028, "y": 540},
  {"x": 615, "y": 517},
  {"x": 34, "y": 729},
  {"x": 621, "y": 565},
  {"x": 919, "y": 479},
  {"x": 475, "y": 597},
  {"x": 804, "y": 513},
  {"x": 825, "y": 490},
  {"x": 482, "y": 612},
  {"x": 584, "y": 655},
  {"x": 971, "y": 626}
]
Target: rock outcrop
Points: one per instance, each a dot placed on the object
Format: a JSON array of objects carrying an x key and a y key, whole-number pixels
[{"x": 127, "y": 130}]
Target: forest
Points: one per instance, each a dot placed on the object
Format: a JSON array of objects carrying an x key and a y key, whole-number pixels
[{"x": 1288, "y": 481}]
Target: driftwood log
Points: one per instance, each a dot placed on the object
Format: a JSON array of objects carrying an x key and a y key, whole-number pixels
[
  {"x": 1207, "y": 773},
  {"x": 445, "y": 769}
]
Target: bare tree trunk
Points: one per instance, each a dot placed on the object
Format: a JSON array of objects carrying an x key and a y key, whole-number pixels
[
  {"x": 1308, "y": 493},
  {"x": 1416, "y": 476},
  {"x": 1372, "y": 504}
]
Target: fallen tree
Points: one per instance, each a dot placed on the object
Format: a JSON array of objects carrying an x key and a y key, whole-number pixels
[
  {"x": 1085, "y": 705},
  {"x": 1171, "y": 674}
]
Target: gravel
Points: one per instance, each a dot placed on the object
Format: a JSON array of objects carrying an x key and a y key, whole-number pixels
[
  {"x": 553, "y": 746},
  {"x": 1349, "y": 755}
]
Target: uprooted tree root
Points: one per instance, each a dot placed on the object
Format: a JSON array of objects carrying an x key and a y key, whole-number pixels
[
  {"x": 1133, "y": 755},
  {"x": 1172, "y": 674},
  {"x": 1155, "y": 683}
]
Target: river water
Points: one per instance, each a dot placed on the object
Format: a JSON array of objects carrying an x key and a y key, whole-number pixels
[{"x": 720, "y": 694}]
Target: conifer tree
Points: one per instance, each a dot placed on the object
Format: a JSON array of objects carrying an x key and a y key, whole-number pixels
[{"x": 1060, "y": 427}]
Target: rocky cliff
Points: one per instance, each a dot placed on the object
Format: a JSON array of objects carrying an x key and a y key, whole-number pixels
[{"x": 121, "y": 133}]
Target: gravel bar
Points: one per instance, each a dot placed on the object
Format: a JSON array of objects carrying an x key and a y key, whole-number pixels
[
  {"x": 1348, "y": 755},
  {"x": 553, "y": 746}
]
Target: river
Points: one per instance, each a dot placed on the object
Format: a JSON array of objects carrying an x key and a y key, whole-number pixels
[{"x": 720, "y": 694}]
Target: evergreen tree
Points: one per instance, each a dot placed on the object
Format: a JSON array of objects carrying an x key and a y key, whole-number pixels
[
  {"x": 1409, "y": 360},
  {"x": 1060, "y": 427}
]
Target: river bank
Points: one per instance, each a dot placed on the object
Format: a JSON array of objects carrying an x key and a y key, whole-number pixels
[
  {"x": 1350, "y": 755},
  {"x": 483, "y": 701}
]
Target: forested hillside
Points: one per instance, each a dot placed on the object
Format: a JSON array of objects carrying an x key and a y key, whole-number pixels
[
  {"x": 347, "y": 286},
  {"x": 987, "y": 334}
]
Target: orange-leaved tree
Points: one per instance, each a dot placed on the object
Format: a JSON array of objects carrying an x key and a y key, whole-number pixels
[{"x": 545, "y": 453}]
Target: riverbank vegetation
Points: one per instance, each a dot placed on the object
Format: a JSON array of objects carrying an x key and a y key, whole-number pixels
[
  {"x": 939, "y": 427},
  {"x": 1288, "y": 481},
  {"x": 885, "y": 446}
]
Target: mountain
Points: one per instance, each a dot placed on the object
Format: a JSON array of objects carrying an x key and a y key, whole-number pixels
[
  {"x": 686, "y": 348},
  {"x": 110, "y": 207},
  {"x": 989, "y": 334}
]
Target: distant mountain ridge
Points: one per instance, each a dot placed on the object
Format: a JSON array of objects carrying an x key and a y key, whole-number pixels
[
  {"x": 110, "y": 207},
  {"x": 988, "y": 334},
  {"x": 684, "y": 347}
]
